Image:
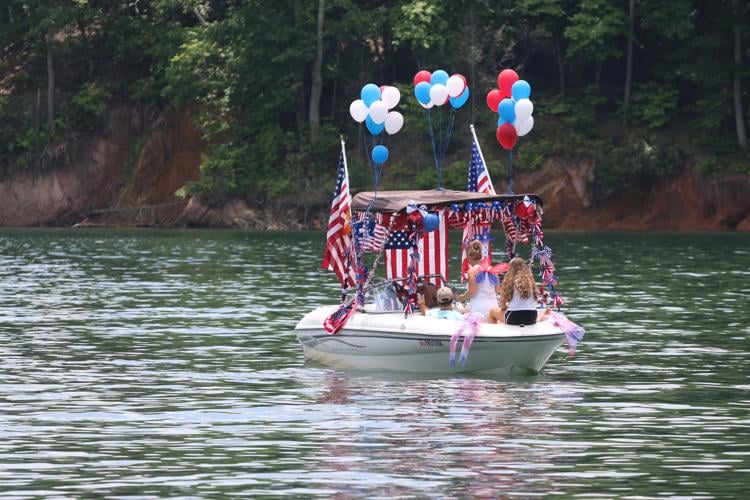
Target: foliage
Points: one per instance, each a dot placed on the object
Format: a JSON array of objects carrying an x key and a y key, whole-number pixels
[
  {"x": 653, "y": 104},
  {"x": 89, "y": 104},
  {"x": 640, "y": 161},
  {"x": 593, "y": 30},
  {"x": 246, "y": 67}
]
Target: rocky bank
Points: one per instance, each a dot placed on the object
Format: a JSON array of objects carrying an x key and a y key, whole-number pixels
[{"x": 129, "y": 174}]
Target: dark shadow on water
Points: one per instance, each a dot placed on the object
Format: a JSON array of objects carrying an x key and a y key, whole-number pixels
[{"x": 515, "y": 375}]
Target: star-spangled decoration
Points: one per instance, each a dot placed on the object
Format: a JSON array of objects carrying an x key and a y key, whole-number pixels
[
  {"x": 484, "y": 236},
  {"x": 399, "y": 240}
]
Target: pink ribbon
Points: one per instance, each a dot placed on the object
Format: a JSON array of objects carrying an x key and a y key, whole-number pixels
[
  {"x": 488, "y": 270},
  {"x": 557, "y": 301},
  {"x": 468, "y": 329},
  {"x": 573, "y": 333}
]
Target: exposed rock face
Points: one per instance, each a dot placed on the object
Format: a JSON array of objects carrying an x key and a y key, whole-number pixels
[
  {"x": 688, "y": 202},
  {"x": 111, "y": 175},
  {"x": 236, "y": 214}
]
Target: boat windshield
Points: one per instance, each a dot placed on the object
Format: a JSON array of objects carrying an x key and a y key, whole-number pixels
[{"x": 384, "y": 298}]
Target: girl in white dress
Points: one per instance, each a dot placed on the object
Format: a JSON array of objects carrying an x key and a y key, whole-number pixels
[{"x": 483, "y": 286}]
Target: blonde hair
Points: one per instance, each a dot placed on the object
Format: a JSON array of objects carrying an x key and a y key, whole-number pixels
[
  {"x": 519, "y": 278},
  {"x": 474, "y": 251}
]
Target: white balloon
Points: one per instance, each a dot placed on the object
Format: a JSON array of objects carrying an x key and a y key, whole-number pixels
[
  {"x": 358, "y": 110},
  {"x": 525, "y": 126},
  {"x": 393, "y": 122},
  {"x": 524, "y": 108},
  {"x": 378, "y": 112},
  {"x": 390, "y": 96},
  {"x": 438, "y": 94},
  {"x": 455, "y": 86}
]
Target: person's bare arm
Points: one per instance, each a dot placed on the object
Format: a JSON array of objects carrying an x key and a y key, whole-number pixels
[
  {"x": 472, "y": 288},
  {"x": 422, "y": 305}
]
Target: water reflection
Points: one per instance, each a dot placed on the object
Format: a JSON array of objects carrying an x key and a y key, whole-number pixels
[{"x": 156, "y": 364}]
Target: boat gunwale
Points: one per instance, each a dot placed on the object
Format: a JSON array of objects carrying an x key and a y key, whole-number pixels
[{"x": 541, "y": 337}]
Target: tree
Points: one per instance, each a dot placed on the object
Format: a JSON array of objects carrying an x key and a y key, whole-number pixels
[
  {"x": 547, "y": 19},
  {"x": 594, "y": 33},
  {"x": 317, "y": 68},
  {"x": 739, "y": 110},
  {"x": 629, "y": 63}
]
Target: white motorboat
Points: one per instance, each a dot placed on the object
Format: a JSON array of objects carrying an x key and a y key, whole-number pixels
[
  {"x": 416, "y": 343},
  {"x": 380, "y": 327}
]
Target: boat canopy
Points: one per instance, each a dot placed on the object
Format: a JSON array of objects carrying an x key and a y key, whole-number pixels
[{"x": 394, "y": 201}]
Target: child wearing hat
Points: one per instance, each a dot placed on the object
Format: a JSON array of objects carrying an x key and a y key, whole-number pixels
[{"x": 444, "y": 310}]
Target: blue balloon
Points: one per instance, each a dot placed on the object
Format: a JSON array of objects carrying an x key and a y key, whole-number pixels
[
  {"x": 507, "y": 110},
  {"x": 430, "y": 222},
  {"x": 370, "y": 93},
  {"x": 374, "y": 128},
  {"x": 379, "y": 154},
  {"x": 439, "y": 76},
  {"x": 422, "y": 92},
  {"x": 520, "y": 90},
  {"x": 460, "y": 100}
]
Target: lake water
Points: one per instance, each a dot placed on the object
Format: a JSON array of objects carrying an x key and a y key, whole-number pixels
[{"x": 152, "y": 364}]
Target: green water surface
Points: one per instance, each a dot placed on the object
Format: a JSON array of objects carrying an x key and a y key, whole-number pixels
[{"x": 153, "y": 364}]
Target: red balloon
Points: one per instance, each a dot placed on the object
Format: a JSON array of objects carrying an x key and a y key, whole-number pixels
[
  {"x": 506, "y": 136},
  {"x": 493, "y": 99},
  {"x": 505, "y": 81},
  {"x": 422, "y": 76},
  {"x": 531, "y": 211},
  {"x": 522, "y": 211}
]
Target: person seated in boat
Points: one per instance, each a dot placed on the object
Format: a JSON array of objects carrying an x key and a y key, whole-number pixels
[
  {"x": 444, "y": 310},
  {"x": 518, "y": 297},
  {"x": 483, "y": 284}
]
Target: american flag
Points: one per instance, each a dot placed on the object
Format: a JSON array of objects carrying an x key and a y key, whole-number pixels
[
  {"x": 371, "y": 233},
  {"x": 478, "y": 182},
  {"x": 433, "y": 252},
  {"x": 479, "y": 179},
  {"x": 338, "y": 319},
  {"x": 337, "y": 257}
]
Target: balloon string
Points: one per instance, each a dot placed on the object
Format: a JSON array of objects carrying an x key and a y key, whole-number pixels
[
  {"x": 434, "y": 151},
  {"x": 377, "y": 168},
  {"x": 449, "y": 132},
  {"x": 440, "y": 140},
  {"x": 510, "y": 171},
  {"x": 373, "y": 168}
]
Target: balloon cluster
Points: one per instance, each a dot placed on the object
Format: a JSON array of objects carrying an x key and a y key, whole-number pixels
[
  {"x": 437, "y": 88},
  {"x": 511, "y": 102},
  {"x": 374, "y": 108}
]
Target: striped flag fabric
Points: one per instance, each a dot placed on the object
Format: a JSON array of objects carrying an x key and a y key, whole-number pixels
[
  {"x": 432, "y": 248},
  {"x": 479, "y": 178},
  {"x": 336, "y": 321},
  {"x": 337, "y": 256},
  {"x": 370, "y": 232},
  {"x": 478, "y": 181}
]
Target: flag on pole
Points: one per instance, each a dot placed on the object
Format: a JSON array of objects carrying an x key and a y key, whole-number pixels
[
  {"x": 338, "y": 254},
  {"x": 432, "y": 248},
  {"x": 478, "y": 181},
  {"x": 479, "y": 178}
]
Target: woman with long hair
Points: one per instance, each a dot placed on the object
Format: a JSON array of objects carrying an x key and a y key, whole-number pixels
[{"x": 518, "y": 296}]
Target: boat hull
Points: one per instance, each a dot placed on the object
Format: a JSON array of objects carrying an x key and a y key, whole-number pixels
[{"x": 388, "y": 341}]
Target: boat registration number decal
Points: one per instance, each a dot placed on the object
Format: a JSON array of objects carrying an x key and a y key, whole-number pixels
[{"x": 430, "y": 343}]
